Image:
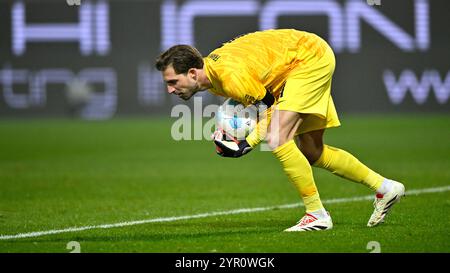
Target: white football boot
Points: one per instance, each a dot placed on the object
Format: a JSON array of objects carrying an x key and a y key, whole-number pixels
[
  {"x": 311, "y": 223},
  {"x": 383, "y": 203}
]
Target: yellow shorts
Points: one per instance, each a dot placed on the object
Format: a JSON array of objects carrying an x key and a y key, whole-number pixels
[{"x": 308, "y": 91}]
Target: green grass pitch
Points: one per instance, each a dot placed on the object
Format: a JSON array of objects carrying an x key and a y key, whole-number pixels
[{"x": 58, "y": 174}]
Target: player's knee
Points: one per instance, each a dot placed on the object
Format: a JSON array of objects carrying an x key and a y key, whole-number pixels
[
  {"x": 312, "y": 153},
  {"x": 272, "y": 142},
  {"x": 311, "y": 145},
  {"x": 275, "y": 140}
]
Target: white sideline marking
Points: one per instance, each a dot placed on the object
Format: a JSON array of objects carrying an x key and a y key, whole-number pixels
[{"x": 208, "y": 214}]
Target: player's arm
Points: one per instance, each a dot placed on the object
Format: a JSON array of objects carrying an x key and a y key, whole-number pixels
[
  {"x": 227, "y": 146},
  {"x": 244, "y": 88},
  {"x": 260, "y": 131}
]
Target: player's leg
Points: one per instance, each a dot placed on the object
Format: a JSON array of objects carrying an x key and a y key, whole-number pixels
[
  {"x": 344, "y": 164},
  {"x": 336, "y": 160},
  {"x": 305, "y": 94},
  {"x": 280, "y": 137}
]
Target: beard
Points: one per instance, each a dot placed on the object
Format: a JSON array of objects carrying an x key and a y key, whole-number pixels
[{"x": 195, "y": 88}]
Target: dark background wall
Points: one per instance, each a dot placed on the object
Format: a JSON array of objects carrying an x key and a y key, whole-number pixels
[{"x": 390, "y": 58}]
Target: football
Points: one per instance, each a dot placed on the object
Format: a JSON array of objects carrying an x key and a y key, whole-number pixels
[{"x": 235, "y": 119}]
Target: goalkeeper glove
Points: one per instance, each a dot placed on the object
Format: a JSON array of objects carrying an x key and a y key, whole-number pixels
[{"x": 228, "y": 146}]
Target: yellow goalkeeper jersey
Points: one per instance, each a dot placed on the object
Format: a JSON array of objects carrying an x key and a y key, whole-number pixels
[{"x": 244, "y": 68}]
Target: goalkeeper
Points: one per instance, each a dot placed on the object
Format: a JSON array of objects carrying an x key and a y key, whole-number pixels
[{"x": 289, "y": 71}]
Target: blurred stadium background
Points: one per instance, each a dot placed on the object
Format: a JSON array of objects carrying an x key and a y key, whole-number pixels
[{"x": 64, "y": 66}]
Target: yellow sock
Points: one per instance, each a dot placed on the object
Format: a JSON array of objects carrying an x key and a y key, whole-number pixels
[
  {"x": 346, "y": 165},
  {"x": 299, "y": 171}
]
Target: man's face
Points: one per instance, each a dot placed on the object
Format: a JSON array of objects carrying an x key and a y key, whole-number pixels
[{"x": 184, "y": 86}]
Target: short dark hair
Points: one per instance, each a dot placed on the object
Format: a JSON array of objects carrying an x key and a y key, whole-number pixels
[{"x": 181, "y": 57}]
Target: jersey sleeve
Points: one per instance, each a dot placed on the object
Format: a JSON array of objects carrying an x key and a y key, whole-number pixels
[
  {"x": 240, "y": 85},
  {"x": 259, "y": 133}
]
